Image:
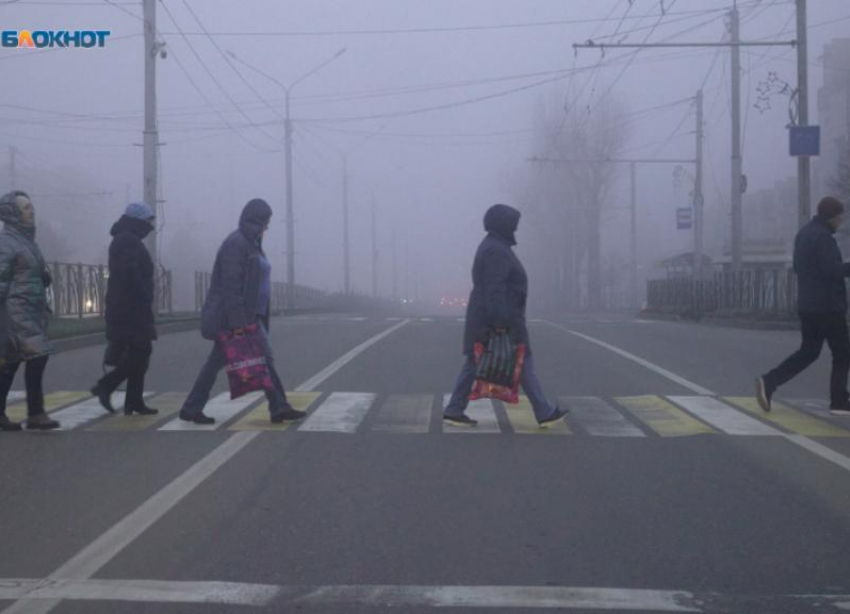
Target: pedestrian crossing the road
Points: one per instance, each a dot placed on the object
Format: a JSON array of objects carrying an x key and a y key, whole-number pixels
[{"x": 348, "y": 413}]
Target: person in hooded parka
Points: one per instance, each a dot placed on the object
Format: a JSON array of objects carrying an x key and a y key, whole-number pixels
[
  {"x": 24, "y": 311},
  {"x": 130, "y": 320},
  {"x": 239, "y": 295},
  {"x": 497, "y": 305}
]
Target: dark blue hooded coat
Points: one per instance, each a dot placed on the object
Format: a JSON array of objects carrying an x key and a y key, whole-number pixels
[
  {"x": 235, "y": 287},
  {"x": 499, "y": 282}
]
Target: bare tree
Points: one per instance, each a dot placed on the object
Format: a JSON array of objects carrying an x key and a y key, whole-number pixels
[{"x": 576, "y": 150}]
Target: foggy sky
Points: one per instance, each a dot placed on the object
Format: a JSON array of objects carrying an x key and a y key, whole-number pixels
[{"x": 432, "y": 174}]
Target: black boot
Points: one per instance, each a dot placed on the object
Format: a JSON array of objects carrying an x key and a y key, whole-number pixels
[{"x": 104, "y": 396}]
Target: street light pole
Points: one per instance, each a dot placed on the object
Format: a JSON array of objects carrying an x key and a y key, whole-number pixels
[{"x": 287, "y": 125}]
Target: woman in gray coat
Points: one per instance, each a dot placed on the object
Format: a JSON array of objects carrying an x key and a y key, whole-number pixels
[
  {"x": 24, "y": 312},
  {"x": 497, "y": 305}
]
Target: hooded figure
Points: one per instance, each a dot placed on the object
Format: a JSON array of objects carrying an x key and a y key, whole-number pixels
[
  {"x": 497, "y": 305},
  {"x": 499, "y": 282},
  {"x": 24, "y": 311},
  {"x": 130, "y": 322},
  {"x": 239, "y": 295},
  {"x": 822, "y": 306}
]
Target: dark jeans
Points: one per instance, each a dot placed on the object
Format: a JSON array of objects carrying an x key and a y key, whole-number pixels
[
  {"x": 216, "y": 361},
  {"x": 133, "y": 360},
  {"x": 817, "y": 328},
  {"x": 33, "y": 375},
  {"x": 529, "y": 382}
]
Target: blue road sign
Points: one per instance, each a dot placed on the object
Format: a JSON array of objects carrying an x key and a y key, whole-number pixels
[{"x": 804, "y": 140}]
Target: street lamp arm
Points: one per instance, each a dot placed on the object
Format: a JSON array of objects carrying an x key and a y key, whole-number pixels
[{"x": 317, "y": 68}]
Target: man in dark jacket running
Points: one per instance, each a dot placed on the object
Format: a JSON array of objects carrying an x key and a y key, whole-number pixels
[
  {"x": 130, "y": 325},
  {"x": 497, "y": 304},
  {"x": 822, "y": 304},
  {"x": 239, "y": 295}
]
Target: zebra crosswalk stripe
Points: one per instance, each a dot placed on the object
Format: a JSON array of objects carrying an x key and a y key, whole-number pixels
[
  {"x": 598, "y": 418},
  {"x": 221, "y": 407},
  {"x": 341, "y": 412},
  {"x": 724, "y": 417}
]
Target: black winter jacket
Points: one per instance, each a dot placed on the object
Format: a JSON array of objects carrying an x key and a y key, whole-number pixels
[
  {"x": 820, "y": 270},
  {"x": 235, "y": 286},
  {"x": 499, "y": 282},
  {"x": 130, "y": 288}
]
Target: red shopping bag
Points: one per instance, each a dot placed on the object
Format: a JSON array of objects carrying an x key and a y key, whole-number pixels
[
  {"x": 245, "y": 365},
  {"x": 503, "y": 390}
]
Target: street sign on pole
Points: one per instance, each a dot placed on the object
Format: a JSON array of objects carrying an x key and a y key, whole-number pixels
[
  {"x": 684, "y": 218},
  {"x": 804, "y": 140}
]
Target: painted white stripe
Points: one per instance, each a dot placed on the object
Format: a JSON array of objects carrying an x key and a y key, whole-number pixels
[
  {"x": 341, "y": 412},
  {"x": 90, "y": 559},
  {"x": 723, "y": 417},
  {"x": 644, "y": 363},
  {"x": 426, "y": 319},
  {"x": 598, "y": 418},
  {"x": 16, "y": 395},
  {"x": 504, "y": 597},
  {"x": 151, "y": 591},
  {"x": 462, "y": 320},
  {"x": 221, "y": 407},
  {"x": 339, "y": 363},
  {"x": 481, "y": 410},
  {"x": 97, "y": 554},
  {"x": 393, "y": 319},
  {"x": 359, "y": 319},
  {"x": 820, "y": 450},
  {"x": 86, "y": 411}
]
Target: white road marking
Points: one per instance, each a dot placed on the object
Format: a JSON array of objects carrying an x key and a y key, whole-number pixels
[
  {"x": 481, "y": 410},
  {"x": 39, "y": 591},
  {"x": 221, "y": 407},
  {"x": 543, "y": 597},
  {"x": 724, "y": 417},
  {"x": 150, "y": 591},
  {"x": 341, "y": 412},
  {"x": 426, "y": 319},
  {"x": 599, "y": 418},
  {"x": 820, "y": 450},
  {"x": 16, "y": 395},
  {"x": 339, "y": 363},
  {"x": 644, "y": 363},
  {"x": 90, "y": 559},
  {"x": 86, "y": 411}
]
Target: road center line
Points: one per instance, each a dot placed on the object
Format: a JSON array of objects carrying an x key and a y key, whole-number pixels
[
  {"x": 644, "y": 363},
  {"x": 93, "y": 557}
]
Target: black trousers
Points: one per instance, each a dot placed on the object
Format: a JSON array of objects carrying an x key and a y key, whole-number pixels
[
  {"x": 817, "y": 328},
  {"x": 33, "y": 377},
  {"x": 133, "y": 359}
]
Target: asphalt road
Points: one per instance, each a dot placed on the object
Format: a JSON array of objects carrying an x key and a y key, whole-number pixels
[{"x": 663, "y": 492}]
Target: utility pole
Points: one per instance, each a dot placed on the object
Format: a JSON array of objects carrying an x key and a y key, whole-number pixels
[
  {"x": 699, "y": 200},
  {"x": 735, "y": 45},
  {"x": 395, "y": 276},
  {"x": 374, "y": 249},
  {"x": 151, "y": 135},
  {"x": 290, "y": 220},
  {"x": 13, "y": 173},
  {"x": 345, "y": 246},
  {"x": 736, "y": 184},
  {"x": 804, "y": 179},
  {"x": 633, "y": 264}
]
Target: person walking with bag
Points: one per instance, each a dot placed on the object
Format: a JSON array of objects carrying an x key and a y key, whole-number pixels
[
  {"x": 24, "y": 311},
  {"x": 497, "y": 305},
  {"x": 822, "y": 305},
  {"x": 239, "y": 295},
  {"x": 130, "y": 321}
]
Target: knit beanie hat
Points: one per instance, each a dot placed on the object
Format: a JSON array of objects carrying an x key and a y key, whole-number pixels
[
  {"x": 139, "y": 210},
  {"x": 829, "y": 207}
]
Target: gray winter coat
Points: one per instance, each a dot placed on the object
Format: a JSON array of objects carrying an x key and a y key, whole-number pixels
[
  {"x": 235, "y": 287},
  {"x": 24, "y": 278},
  {"x": 499, "y": 282}
]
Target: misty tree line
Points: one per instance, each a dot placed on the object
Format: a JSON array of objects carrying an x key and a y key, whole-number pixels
[{"x": 566, "y": 197}]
